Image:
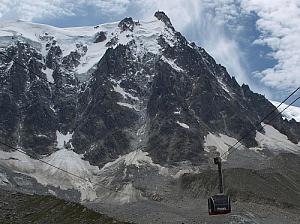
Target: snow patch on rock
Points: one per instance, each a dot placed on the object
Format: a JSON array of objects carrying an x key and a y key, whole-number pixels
[
  {"x": 224, "y": 86},
  {"x": 62, "y": 139},
  {"x": 183, "y": 125},
  {"x": 137, "y": 158},
  {"x": 275, "y": 141},
  {"x": 221, "y": 143},
  {"x": 289, "y": 113},
  {"x": 177, "y": 111},
  {"x": 119, "y": 89},
  {"x": 127, "y": 105},
  {"x": 172, "y": 63},
  {"x": 65, "y": 159},
  {"x": 49, "y": 76},
  {"x": 3, "y": 179},
  {"x": 128, "y": 194}
]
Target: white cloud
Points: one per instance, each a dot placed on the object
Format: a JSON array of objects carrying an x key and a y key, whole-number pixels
[
  {"x": 279, "y": 24},
  {"x": 5, "y": 5},
  {"x": 108, "y": 6},
  {"x": 29, "y": 9}
]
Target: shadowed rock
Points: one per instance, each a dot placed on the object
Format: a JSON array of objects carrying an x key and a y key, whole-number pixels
[
  {"x": 126, "y": 24},
  {"x": 100, "y": 37}
]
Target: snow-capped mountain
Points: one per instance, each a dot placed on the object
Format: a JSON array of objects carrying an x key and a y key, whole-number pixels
[
  {"x": 290, "y": 113},
  {"x": 118, "y": 102}
]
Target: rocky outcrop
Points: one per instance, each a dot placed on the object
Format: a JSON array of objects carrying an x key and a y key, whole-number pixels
[
  {"x": 100, "y": 37},
  {"x": 160, "y": 15},
  {"x": 24, "y": 208},
  {"x": 126, "y": 24}
]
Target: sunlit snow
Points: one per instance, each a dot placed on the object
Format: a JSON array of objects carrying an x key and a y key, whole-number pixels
[
  {"x": 172, "y": 63},
  {"x": 290, "y": 113},
  {"x": 145, "y": 36},
  {"x": 65, "y": 159},
  {"x": 63, "y": 139},
  {"x": 127, "y": 105},
  {"x": 183, "y": 125},
  {"x": 119, "y": 89},
  {"x": 275, "y": 141},
  {"x": 49, "y": 76},
  {"x": 136, "y": 158},
  {"x": 221, "y": 142}
]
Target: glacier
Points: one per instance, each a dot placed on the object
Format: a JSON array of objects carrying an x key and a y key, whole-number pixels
[{"x": 292, "y": 112}]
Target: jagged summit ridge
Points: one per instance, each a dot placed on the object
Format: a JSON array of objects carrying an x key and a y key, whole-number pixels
[
  {"x": 88, "y": 44},
  {"x": 127, "y": 24},
  {"x": 163, "y": 17}
]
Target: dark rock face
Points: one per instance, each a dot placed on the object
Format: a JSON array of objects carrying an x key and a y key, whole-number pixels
[
  {"x": 72, "y": 60},
  {"x": 105, "y": 128},
  {"x": 28, "y": 100},
  {"x": 164, "y": 18},
  {"x": 100, "y": 37},
  {"x": 165, "y": 103},
  {"x": 8, "y": 118},
  {"x": 53, "y": 57},
  {"x": 168, "y": 141},
  {"x": 112, "y": 42},
  {"x": 127, "y": 24}
]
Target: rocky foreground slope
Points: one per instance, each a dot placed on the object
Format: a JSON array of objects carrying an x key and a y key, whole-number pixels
[
  {"x": 18, "y": 208},
  {"x": 269, "y": 195},
  {"x": 277, "y": 184}
]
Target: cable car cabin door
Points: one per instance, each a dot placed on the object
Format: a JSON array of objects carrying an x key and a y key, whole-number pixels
[{"x": 219, "y": 204}]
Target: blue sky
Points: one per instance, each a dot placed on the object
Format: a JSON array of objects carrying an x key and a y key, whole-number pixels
[{"x": 258, "y": 41}]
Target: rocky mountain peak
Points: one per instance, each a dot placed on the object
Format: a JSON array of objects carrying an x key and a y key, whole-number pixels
[
  {"x": 118, "y": 88},
  {"x": 127, "y": 24},
  {"x": 160, "y": 15},
  {"x": 100, "y": 37}
]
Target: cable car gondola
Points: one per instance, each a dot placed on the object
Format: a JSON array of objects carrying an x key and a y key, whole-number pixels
[{"x": 220, "y": 203}]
